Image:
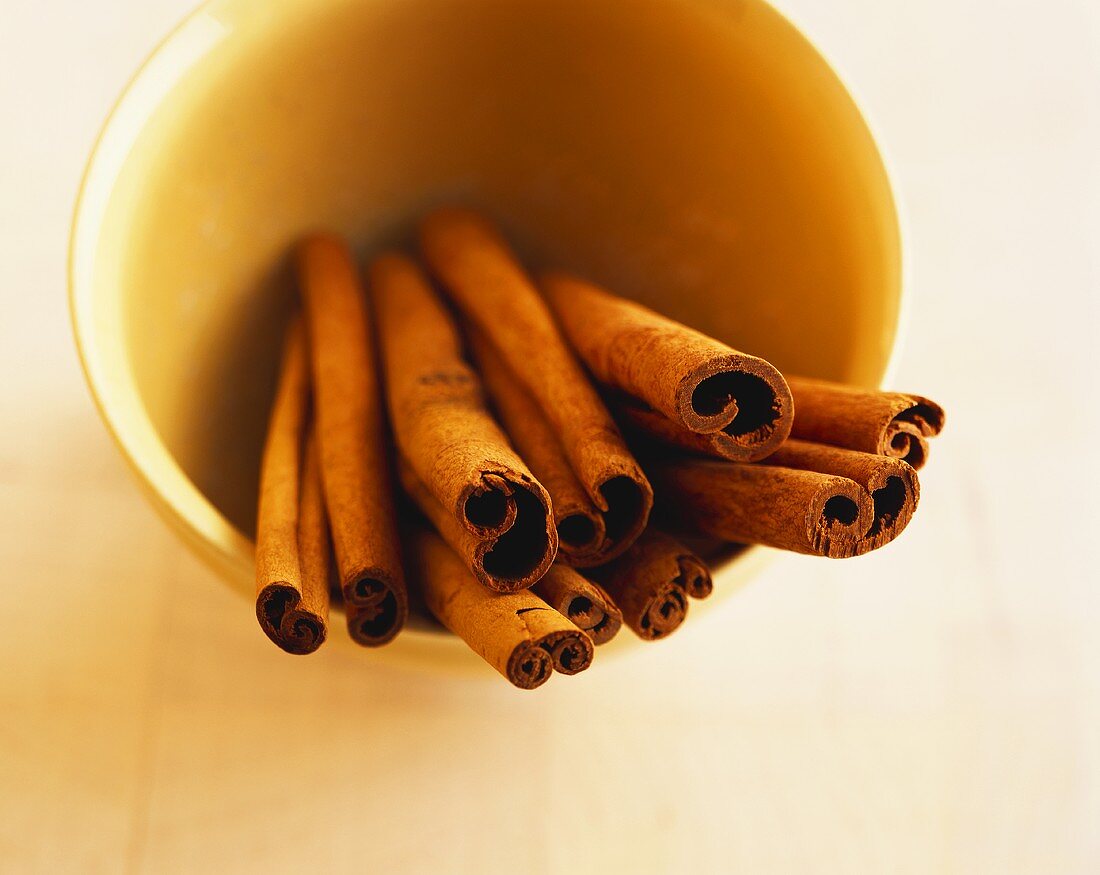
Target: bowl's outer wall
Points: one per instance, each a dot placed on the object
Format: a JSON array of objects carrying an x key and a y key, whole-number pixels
[{"x": 699, "y": 157}]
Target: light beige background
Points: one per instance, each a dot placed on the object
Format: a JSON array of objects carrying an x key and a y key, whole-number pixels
[{"x": 934, "y": 707}]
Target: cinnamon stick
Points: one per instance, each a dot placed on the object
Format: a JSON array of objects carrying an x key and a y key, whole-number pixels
[
  {"x": 892, "y": 484},
  {"x": 585, "y": 603},
  {"x": 450, "y": 443},
  {"x": 647, "y": 583},
  {"x": 517, "y": 633},
  {"x": 697, "y": 382},
  {"x": 488, "y": 285},
  {"x": 292, "y": 568},
  {"x": 834, "y": 513},
  {"x": 352, "y": 441},
  {"x": 582, "y": 533},
  {"x": 891, "y": 424}
]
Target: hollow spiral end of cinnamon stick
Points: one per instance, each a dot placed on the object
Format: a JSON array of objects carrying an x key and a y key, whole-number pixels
[
  {"x": 905, "y": 442},
  {"x": 894, "y": 496},
  {"x": 522, "y": 554},
  {"x": 376, "y": 609},
  {"x": 570, "y": 651},
  {"x": 838, "y": 516},
  {"x": 694, "y": 577},
  {"x": 906, "y": 436},
  {"x": 529, "y": 666},
  {"x": 744, "y": 399},
  {"x": 662, "y": 613},
  {"x": 600, "y": 622},
  {"x": 296, "y": 631}
]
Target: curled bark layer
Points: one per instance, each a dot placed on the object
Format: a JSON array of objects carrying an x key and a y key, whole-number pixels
[
  {"x": 891, "y": 424},
  {"x": 585, "y": 603}
]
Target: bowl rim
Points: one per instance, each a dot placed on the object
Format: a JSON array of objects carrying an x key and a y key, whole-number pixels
[{"x": 173, "y": 494}]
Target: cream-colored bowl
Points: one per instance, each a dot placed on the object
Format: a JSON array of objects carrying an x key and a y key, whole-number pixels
[{"x": 697, "y": 155}]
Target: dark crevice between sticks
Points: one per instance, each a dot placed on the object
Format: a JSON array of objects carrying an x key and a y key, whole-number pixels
[
  {"x": 577, "y": 531},
  {"x": 625, "y": 503}
]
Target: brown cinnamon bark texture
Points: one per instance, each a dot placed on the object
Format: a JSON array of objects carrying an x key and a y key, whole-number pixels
[
  {"x": 885, "y": 423},
  {"x": 585, "y": 603},
  {"x": 487, "y": 284},
  {"x": 892, "y": 484},
  {"x": 450, "y": 442},
  {"x": 760, "y": 503},
  {"x": 352, "y": 441},
  {"x": 582, "y": 534},
  {"x": 696, "y": 381},
  {"x": 647, "y": 584},
  {"x": 292, "y": 567},
  {"x": 517, "y": 633}
]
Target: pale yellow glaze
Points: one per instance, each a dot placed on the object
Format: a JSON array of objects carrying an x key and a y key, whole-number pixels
[{"x": 697, "y": 155}]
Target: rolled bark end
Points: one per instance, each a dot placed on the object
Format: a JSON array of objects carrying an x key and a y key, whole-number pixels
[
  {"x": 517, "y": 558},
  {"x": 695, "y": 577},
  {"x": 742, "y": 397},
  {"x": 584, "y": 603},
  {"x": 529, "y": 666},
  {"x": 570, "y": 651},
  {"x": 894, "y": 495},
  {"x": 661, "y": 614},
  {"x": 648, "y": 584},
  {"x": 838, "y": 516},
  {"x": 604, "y": 625},
  {"x": 376, "y": 610},
  {"x": 906, "y": 437},
  {"x": 295, "y": 630}
]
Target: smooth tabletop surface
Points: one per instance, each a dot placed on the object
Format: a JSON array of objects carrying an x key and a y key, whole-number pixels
[{"x": 933, "y": 707}]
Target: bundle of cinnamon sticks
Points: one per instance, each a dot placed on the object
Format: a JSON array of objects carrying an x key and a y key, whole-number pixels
[{"x": 523, "y": 457}]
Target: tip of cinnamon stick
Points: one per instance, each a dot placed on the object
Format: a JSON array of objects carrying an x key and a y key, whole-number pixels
[
  {"x": 296, "y": 631},
  {"x": 529, "y": 666},
  {"x": 376, "y": 610}
]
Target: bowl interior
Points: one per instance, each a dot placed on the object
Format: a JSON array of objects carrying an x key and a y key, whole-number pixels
[{"x": 697, "y": 156}]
